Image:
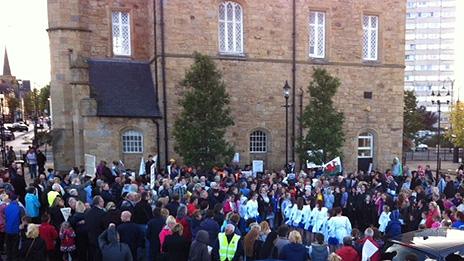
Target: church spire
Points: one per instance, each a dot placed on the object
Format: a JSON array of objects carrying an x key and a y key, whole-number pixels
[{"x": 6, "y": 64}]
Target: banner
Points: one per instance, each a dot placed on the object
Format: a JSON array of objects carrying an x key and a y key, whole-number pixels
[
  {"x": 333, "y": 167},
  {"x": 258, "y": 166},
  {"x": 236, "y": 158},
  {"x": 90, "y": 162},
  {"x": 153, "y": 172},
  {"x": 311, "y": 165}
]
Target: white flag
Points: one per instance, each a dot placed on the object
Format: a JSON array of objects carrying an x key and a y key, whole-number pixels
[
  {"x": 66, "y": 212},
  {"x": 142, "y": 170}
]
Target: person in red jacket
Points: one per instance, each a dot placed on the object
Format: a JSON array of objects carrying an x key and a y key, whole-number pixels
[
  {"x": 369, "y": 236},
  {"x": 434, "y": 211},
  {"x": 49, "y": 234},
  {"x": 348, "y": 252}
]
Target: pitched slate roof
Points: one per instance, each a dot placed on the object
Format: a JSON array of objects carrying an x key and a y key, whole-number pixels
[{"x": 123, "y": 89}]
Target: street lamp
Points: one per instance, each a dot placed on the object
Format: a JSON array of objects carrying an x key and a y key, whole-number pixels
[
  {"x": 286, "y": 96},
  {"x": 2, "y": 129},
  {"x": 438, "y": 102}
]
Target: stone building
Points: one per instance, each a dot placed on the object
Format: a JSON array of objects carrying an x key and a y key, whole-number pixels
[{"x": 257, "y": 45}]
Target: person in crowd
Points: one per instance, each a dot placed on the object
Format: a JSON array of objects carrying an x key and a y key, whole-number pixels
[
  {"x": 251, "y": 243},
  {"x": 319, "y": 251},
  {"x": 31, "y": 159},
  {"x": 295, "y": 250},
  {"x": 154, "y": 227},
  {"x": 183, "y": 219},
  {"x": 93, "y": 219},
  {"x": 130, "y": 234},
  {"x": 282, "y": 240},
  {"x": 211, "y": 226},
  {"x": 434, "y": 211},
  {"x": 269, "y": 249},
  {"x": 228, "y": 246},
  {"x": 41, "y": 160},
  {"x": 10, "y": 156},
  {"x": 347, "y": 252},
  {"x": 111, "y": 248},
  {"x": 199, "y": 248},
  {"x": 67, "y": 241},
  {"x": 77, "y": 222},
  {"x": 13, "y": 213},
  {"x": 369, "y": 236},
  {"x": 33, "y": 248},
  {"x": 175, "y": 246},
  {"x": 167, "y": 230},
  {"x": 50, "y": 235},
  {"x": 339, "y": 227},
  {"x": 32, "y": 205}
]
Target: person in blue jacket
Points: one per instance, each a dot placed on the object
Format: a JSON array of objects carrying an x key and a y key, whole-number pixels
[
  {"x": 13, "y": 214},
  {"x": 393, "y": 228},
  {"x": 295, "y": 250},
  {"x": 32, "y": 205}
]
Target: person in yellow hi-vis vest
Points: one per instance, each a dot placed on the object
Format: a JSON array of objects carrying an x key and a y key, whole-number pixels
[{"x": 228, "y": 246}]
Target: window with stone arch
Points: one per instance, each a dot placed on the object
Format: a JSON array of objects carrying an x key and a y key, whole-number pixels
[
  {"x": 258, "y": 142},
  {"x": 230, "y": 28},
  {"x": 366, "y": 145},
  {"x": 132, "y": 141}
]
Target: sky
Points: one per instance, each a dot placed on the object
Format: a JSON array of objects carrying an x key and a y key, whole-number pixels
[{"x": 22, "y": 31}]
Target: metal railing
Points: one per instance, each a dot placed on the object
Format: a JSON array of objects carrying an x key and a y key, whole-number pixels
[{"x": 446, "y": 154}]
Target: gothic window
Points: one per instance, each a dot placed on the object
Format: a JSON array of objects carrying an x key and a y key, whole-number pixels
[
  {"x": 121, "y": 33},
  {"x": 132, "y": 142},
  {"x": 230, "y": 28},
  {"x": 370, "y": 37},
  {"x": 317, "y": 34},
  {"x": 258, "y": 142}
]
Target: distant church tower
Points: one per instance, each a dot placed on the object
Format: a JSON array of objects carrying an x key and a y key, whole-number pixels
[{"x": 6, "y": 64}]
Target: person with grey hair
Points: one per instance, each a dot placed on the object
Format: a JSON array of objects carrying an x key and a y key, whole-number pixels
[
  {"x": 347, "y": 251},
  {"x": 130, "y": 234},
  {"x": 369, "y": 236},
  {"x": 183, "y": 219},
  {"x": 228, "y": 246}
]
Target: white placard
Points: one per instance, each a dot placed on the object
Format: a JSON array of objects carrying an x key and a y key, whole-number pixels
[
  {"x": 370, "y": 168},
  {"x": 236, "y": 157},
  {"x": 142, "y": 170},
  {"x": 368, "y": 250},
  {"x": 247, "y": 173},
  {"x": 66, "y": 212},
  {"x": 258, "y": 166},
  {"x": 90, "y": 164}
]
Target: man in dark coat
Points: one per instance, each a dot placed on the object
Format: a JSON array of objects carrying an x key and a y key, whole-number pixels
[
  {"x": 130, "y": 234},
  {"x": 41, "y": 160},
  {"x": 210, "y": 226},
  {"x": 94, "y": 222},
  {"x": 155, "y": 225}
]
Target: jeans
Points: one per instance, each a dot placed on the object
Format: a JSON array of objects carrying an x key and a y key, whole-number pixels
[
  {"x": 12, "y": 244},
  {"x": 33, "y": 170}
]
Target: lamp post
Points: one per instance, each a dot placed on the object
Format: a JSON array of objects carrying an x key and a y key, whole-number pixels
[
  {"x": 286, "y": 96},
  {"x": 2, "y": 129},
  {"x": 437, "y": 100}
]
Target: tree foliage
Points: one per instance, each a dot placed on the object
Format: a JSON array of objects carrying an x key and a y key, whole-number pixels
[
  {"x": 37, "y": 99},
  {"x": 456, "y": 132},
  {"x": 323, "y": 124},
  {"x": 13, "y": 105},
  {"x": 429, "y": 118},
  {"x": 413, "y": 120},
  {"x": 200, "y": 128}
]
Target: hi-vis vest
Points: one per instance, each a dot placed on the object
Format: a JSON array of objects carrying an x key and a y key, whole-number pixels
[{"x": 227, "y": 249}]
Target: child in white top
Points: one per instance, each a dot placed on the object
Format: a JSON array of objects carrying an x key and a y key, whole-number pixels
[{"x": 384, "y": 218}]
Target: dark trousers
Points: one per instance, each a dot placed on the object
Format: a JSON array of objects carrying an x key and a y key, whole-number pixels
[
  {"x": 94, "y": 253},
  {"x": 2, "y": 242},
  {"x": 12, "y": 244}
]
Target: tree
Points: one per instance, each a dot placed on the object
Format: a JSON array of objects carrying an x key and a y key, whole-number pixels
[
  {"x": 413, "y": 120},
  {"x": 323, "y": 124},
  {"x": 200, "y": 128},
  {"x": 43, "y": 96},
  {"x": 429, "y": 118},
  {"x": 13, "y": 104},
  {"x": 456, "y": 132}
]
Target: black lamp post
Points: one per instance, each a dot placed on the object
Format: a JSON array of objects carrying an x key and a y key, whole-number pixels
[
  {"x": 2, "y": 129},
  {"x": 438, "y": 102},
  {"x": 286, "y": 96}
]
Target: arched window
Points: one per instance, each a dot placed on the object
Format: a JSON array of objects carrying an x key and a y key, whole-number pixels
[
  {"x": 365, "y": 145},
  {"x": 258, "y": 142},
  {"x": 132, "y": 142},
  {"x": 230, "y": 28}
]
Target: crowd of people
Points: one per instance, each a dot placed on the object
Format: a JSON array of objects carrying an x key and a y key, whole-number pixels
[{"x": 226, "y": 214}]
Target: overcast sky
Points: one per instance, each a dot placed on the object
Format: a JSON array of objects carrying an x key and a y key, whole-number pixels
[{"x": 22, "y": 31}]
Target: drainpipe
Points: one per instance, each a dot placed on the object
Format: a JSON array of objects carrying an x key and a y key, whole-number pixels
[
  {"x": 155, "y": 51},
  {"x": 293, "y": 77},
  {"x": 163, "y": 74},
  {"x": 157, "y": 145}
]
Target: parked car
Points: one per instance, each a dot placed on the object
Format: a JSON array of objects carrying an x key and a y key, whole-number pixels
[
  {"x": 9, "y": 135},
  {"x": 422, "y": 147},
  {"x": 19, "y": 126},
  {"x": 428, "y": 244}
]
